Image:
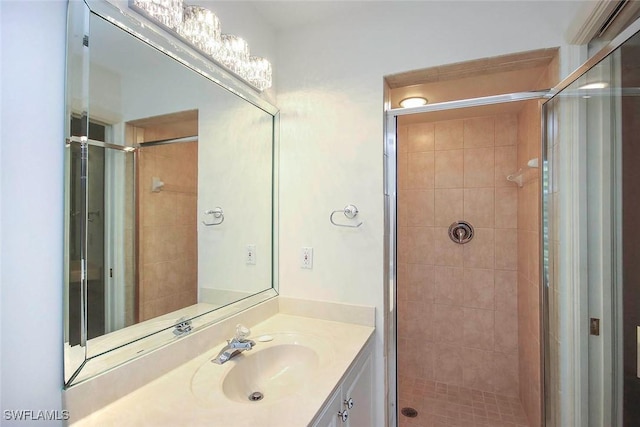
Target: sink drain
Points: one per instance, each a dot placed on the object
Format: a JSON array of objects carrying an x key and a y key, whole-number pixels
[
  {"x": 409, "y": 412},
  {"x": 255, "y": 396}
]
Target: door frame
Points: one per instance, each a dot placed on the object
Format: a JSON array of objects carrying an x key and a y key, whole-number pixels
[{"x": 390, "y": 224}]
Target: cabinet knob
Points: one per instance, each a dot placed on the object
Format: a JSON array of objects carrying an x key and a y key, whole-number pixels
[
  {"x": 348, "y": 403},
  {"x": 343, "y": 415}
]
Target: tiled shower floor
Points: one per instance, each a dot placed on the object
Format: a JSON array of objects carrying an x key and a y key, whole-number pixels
[{"x": 442, "y": 405}]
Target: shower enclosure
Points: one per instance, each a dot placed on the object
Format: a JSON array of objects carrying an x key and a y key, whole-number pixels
[
  {"x": 536, "y": 319},
  {"x": 590, "y": 241}
]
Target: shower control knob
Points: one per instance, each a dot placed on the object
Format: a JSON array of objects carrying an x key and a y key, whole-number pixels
[
  {"x": 461, "y": 232},
  {"x": 343, "y": 415},
  {"x": 348, "y": 403}
]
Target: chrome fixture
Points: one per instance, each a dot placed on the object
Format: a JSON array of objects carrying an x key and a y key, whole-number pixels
[
  {"x": 182, "y": 327},
  {"x": 217, "y": 213},
  {"x": 235, "y": 345},
  {"x": 461, "y": 232},
  {"x": 200, "y": 28},
  {"x": 350, "y": 211}
]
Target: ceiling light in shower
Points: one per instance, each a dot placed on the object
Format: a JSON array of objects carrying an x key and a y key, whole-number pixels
[
  {"x": 596, "y": 85},
  {"x": 414, "y": 101}
]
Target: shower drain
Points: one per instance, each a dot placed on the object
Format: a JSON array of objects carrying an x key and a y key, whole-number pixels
[
  {"x": 409, "y": 412},
  {"x": 255, "y": 396}
]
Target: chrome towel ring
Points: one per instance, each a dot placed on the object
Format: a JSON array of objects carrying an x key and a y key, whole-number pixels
[
  {"x": 350, "y": 211},
  {"x": 218, "y": 215}
]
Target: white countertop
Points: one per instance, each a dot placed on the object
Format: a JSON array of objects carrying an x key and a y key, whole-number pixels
[{"x": 169, "y": 400}]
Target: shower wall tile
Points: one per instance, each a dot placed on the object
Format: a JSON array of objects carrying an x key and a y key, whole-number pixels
[
  {"x": 419, "y": 208},
  {"x": 160, "y": 208},
  {"x": 420, "y": 248},
  {"x": 449, "y": 135},
  {"x": 457, "y": 310},
  {"x": 506, "y": 331},
  {"x": 402, "y": 134},
  {"x": 506, "y": 130},
  {"x": 506, "y": 290},
  {"x": 479, "y": 167},
  {"x": 403, "y": 245},
  {"x": 402, "y": 292},
  {"x": 448, "y": 322},
  {"x": 449, "y": 289},
  {"x": 421, "y": 137},
  {"x": 403, "y": 211},
  {"x": 479, "y": 288},
  {"x": 506, "y": 209},
  {"x": 478, "y": 328},
  {"x": 506, "y": 164},
  {"x": 420, "y": 282},
  {"x": 478, "y": 369},
  {"x": 505, "y": 366},
  {"x": 167, "y": 226},
  {"x": 403, "y": 171},
  {"x": 449, "y": 363},
  {"x": 420, "y": 170},
  {"x": 479, "y": 207},
  {"x": 449, "y": 168},
  {"x": 480, "y": 252},
  {"x": 527, "y": 260},
  {"x": 445, "y": 251},
  {"x": 186, "y": 209},
  {"x": 448, "y": 206},
  {"x": 506, "y": 244},
  {"x": 479, "y": 132}
]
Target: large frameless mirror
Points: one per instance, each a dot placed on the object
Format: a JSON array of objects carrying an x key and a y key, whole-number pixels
[{"x": 171, "y": 190}]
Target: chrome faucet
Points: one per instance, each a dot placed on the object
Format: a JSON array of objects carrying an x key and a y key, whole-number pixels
[{"x": 235, "y": 345}]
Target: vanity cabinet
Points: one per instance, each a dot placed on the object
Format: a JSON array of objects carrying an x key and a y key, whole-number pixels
[{"x": 351, "y": 404}]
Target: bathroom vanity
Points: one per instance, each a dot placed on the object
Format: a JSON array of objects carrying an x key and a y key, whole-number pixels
[{"x": 302, "y": 371}]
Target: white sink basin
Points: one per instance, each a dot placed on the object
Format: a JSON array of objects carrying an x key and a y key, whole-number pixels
[
  {"x": 273, "y": 372},
  {"x": 267, "y": 373}
]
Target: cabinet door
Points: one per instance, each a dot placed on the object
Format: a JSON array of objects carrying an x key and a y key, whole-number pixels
[
  {"x": 358, "y": 387},
  {"x": 329, "y": 417}
]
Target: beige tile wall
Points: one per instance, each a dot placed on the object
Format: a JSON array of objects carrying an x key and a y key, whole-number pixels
[
  {"x": 168, "y": 229},
  {"x": 457, "y": 304},
  {"x": 529, "y": 147}
]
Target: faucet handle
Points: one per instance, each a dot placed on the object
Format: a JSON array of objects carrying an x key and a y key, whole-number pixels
[{"x": 242, "y": 332}]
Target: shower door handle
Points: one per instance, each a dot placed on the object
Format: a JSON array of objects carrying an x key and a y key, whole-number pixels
[{"x": 638, "y": 352}]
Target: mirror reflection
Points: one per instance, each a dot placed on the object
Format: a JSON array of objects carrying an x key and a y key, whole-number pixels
[{"x": 169, "y": 194}]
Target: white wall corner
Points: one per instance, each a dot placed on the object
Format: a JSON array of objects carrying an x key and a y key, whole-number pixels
[
  {"x": 31, "y": 246},
  {"x": 571, "y": 58}
]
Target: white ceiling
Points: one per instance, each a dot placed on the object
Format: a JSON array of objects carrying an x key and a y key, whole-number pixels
[{"x": 283, "y": 15}]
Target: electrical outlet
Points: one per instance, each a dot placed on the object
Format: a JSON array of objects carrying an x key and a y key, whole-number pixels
[
  {"x": 251, "y": 255},
  {"x": 306, "y": 258}
]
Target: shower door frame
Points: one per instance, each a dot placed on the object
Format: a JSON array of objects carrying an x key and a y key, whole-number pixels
[
  {"x": 392, "y": 412},
  {"x": 575, "y": 264}
]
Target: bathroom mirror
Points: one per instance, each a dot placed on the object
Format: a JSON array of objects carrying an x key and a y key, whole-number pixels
[{"x": 171, "y": 190}]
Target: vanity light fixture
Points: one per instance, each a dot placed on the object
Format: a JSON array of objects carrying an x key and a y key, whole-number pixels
[
  {"x": 414, "y": 101},
  {"x": 200, "y": 28}
]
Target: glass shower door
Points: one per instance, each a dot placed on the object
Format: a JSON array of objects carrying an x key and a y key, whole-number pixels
[{"x": 591, "y": 207}]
